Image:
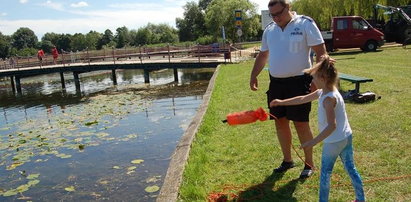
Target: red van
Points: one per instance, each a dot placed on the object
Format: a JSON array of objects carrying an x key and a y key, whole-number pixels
[{"x": 352, "y": 32}]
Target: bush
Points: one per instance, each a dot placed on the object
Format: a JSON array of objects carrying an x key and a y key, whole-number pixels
[{"x": 204, "y": 40}]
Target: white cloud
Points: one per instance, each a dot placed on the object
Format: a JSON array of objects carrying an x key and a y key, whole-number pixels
[
  {"x": 53, "y": 5},
  {"x": 3, "y": 14},
  {"x": 79, "y": 4},
  {"x": 23, "y": 1}
]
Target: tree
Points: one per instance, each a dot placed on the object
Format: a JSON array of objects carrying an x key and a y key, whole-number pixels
[
  {"x": 78, "y": 42},
  {"x": 24, "y": 38},
  {"x": 122, "y": 37},
  {"x": 92, "y": 39},
  {"x": 192, "y": 25},
  {"x": 167, "y": 34},
  {"x": 46, "y": 46},
  {"x": 52, "y": 37},
  {"x": 143, "y": 36},
  {"x": 105, "y": 39},
  {"x": 221, "y": 13},
  {"x": 203, "y": 4},
  {"x": 5, "y": 46},
  {"x": 152, "y": 34},
  {"x": 64, "y": 42}
]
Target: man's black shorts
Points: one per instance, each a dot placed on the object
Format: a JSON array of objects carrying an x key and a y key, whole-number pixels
[{"x": 283, "y": 88}]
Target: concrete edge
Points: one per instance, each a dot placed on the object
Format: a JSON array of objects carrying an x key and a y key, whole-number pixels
[{"x": 173, "y": 179}]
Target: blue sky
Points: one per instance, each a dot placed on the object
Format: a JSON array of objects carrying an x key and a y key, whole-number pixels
[{"x": 81, "y": 16}]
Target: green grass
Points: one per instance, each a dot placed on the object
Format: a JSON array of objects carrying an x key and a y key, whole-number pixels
[{"x": 239, "y": 160}]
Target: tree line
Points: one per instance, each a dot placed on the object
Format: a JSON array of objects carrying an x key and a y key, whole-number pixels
[{"x": 201, "y": 23}]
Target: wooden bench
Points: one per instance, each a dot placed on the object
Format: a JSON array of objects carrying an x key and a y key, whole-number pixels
[{"x": 354, "y": 79}]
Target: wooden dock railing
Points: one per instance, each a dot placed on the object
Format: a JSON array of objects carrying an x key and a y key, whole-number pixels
[{"x": 141, "y": 54}]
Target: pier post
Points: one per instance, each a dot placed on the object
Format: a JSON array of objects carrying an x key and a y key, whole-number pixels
[
  {"x": 168, "y": 48},
  {"x": 18, "y": 85},
  {"x": 13, "y": 87},
  {"x": 113, "y": 76},
  {"x": 198, "y": 52},
  {"x": 76, "y": 80},
  {"x": 175, "y": 74},
  {"x": 141, "y": 57},
  {"x": 63, "y": 84},
  {"x": 146, "y": 76}
]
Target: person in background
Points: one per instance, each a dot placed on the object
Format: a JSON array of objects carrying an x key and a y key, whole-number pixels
[
  {"x": 286, "y": 43},
  {"x": 40, "y": 55},
  {"x": 55, "y": 54},
  {"x": 333, "y": 124}
]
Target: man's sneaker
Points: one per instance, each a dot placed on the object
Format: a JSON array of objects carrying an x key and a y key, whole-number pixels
[
  {"x": 307, "y": 172},
  {"x": 284, "y": 167}
]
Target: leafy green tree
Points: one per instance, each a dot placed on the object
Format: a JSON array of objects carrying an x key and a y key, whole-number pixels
[
  {"x": 105, "y": 39},
  {"x": 152, "y": 34},
  {"x": 5, "y": 46},
  {"x": 52, "y": 37},
  {"x": 143, "y": 36},
  {"x": 78, "y": 42},
  {"x": 64, "y": 42},
  {"x": 166, "y": 34},
  {"x": 46, "y": 46},
  {"x": 222, "y": 13},
  {"x": 203, "y": 4},
  {"x": 122, "y": 37},
  {"x": 92, "y": 39},
  {"x": 24, "y": 38},
  {"x": 192, "y": 25}
]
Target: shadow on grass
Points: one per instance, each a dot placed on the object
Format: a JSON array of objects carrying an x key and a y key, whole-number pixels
[{"x": 272, "y": 189}]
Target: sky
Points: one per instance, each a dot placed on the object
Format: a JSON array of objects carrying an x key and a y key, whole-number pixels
[{"x": 81, "y": 16}]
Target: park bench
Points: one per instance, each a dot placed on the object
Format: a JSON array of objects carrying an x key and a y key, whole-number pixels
[{"x": 354, "y": 79}]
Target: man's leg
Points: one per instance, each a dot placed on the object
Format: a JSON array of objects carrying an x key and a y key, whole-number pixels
[
  {"x": 284, "y": 137},
  {"x": 305, "y": 135}
]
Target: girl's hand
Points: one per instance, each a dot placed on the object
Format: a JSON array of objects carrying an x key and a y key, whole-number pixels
[
  {"x": 275, "y": 103},
  {"x": 307, "y": 145}
]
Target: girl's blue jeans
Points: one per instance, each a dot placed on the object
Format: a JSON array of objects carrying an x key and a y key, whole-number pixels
[{"x": 330, "y": 152}]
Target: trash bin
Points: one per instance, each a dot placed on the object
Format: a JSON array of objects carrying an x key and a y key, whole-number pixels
[{"x": 227, "y": 55}]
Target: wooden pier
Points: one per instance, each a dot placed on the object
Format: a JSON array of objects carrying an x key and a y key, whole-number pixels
[{"x": 147, "y": 60}]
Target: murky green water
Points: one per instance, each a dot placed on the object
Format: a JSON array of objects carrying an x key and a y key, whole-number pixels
[{"x": 103, "y": 143}]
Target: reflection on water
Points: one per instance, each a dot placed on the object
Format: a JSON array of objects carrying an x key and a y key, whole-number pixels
[{"x": 106, "y": 143}]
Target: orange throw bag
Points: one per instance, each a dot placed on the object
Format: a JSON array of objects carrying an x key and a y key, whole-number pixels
[{"x": 245, "y": 117}]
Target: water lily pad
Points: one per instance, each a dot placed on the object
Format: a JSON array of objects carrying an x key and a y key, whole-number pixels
[
  {"x": 10, "y": 192},
  {"x": 33, "y": 176},
  {"x": 130, "y": 172},
  {"x": 131, "y": 168},
  {"x": 23, "y": 188},
  {"x": 137, "y": 161},
  {"x": 151, "y": 189},
  {"x": 64, "y": 156},
  {"x": 91, "y": 123},
  {"x": 103, "y": 182},
  {"x": 14, "y": 165},
  {"x": 70, "y": 189},
  {"x": 33, "y": 182}
]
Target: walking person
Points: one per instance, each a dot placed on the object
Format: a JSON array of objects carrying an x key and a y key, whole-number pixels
[
  {"x": 55, "y": 54},
  {"x": 333, "y": 124},
  {"x": 286, "y": 42},
  {"x": 40, "y": 55}
]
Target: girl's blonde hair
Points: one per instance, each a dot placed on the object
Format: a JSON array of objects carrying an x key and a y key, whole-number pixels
[{"x": 326, "y": 70}]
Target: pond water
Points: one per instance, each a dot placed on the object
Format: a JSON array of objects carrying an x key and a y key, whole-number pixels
[{"x": 106, "y": 142}]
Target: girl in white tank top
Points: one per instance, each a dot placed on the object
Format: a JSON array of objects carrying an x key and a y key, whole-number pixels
[{"x": 333, "y": 124}]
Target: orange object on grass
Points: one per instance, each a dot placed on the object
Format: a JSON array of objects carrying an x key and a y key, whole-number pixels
[{"x": 245, "y": 117}]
